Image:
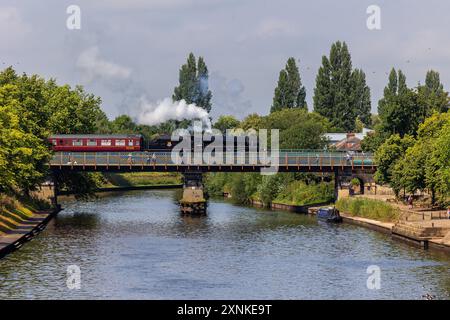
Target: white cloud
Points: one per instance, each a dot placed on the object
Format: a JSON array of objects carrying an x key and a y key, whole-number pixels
[
  {"x": 275, "y": 27},
  {"x": 271, "y": 28},
  {"x": 94, "y": 66},
  {"x": 12, "y": 26}
]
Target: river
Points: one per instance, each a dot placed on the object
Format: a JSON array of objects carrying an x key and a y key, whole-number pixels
[{"x": 136, "y": 245}]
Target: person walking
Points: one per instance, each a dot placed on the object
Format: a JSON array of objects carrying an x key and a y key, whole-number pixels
[
  {"x": 410, "y": 201},
  {"x": 154, "y": 158}
]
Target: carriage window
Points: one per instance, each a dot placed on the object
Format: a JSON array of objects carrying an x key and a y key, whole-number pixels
[
  {"x": 54, "y": 142},
  {"x": 77, "y": 143},
  {"x": 120, "y": 143},
  {"x": 106, "y": 142},
  {"x": 92, "y": 142},
  {"x": 130, "y": 143},
  {"x": 137, "y": 142}
]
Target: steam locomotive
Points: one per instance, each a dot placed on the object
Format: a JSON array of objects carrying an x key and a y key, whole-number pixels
[{"x": 127, "y": 143}]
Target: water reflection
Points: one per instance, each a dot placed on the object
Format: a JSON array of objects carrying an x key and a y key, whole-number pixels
[{"x": 137, "y": 245}]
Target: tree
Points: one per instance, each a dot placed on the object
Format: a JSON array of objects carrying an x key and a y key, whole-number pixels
[
  {"x": 226, "y": 122},
  {"x": 361, "y": 98},
  {"x": 252, "y": 121},
  {"x": 399, "y": 110},
  {"x": 388, "y": 154},
  {"x": 299, "y": 129},
  {"x": 31, "y": 109},
  {"x": 123, "y": 124},
  {"x": 204, "y": 94},
  {"x": 289, "y": 92},
  {"x": 432, "y": 96},
  {"x": 193, "y": 83},
  {"x": 440, "y": 162},
  {"x": 305, "y": 134},
  {"x": 341, "y": 94}
]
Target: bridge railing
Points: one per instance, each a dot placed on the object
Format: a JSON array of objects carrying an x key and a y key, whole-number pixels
[{"x": 285, "y": 158}]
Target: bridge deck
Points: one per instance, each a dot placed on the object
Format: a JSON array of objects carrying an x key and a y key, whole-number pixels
[{"x": 293, "y": 161}]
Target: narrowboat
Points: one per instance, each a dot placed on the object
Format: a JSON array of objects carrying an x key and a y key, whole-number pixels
[{"x": 329, "y": 215}]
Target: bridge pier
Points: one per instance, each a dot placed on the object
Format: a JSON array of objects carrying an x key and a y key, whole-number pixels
[
  {"x": 336, "y": 185},
  {"x": 193, "y": 201}
]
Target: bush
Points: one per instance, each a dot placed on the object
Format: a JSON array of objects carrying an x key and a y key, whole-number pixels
[
  {"x": 368, "y": 208},
  {"x": 299, "y": 193}
]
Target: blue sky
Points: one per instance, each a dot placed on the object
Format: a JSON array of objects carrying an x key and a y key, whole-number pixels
[{"x": 129, "y": 49}]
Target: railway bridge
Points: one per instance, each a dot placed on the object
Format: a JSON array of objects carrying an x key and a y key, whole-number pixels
[{"x": 192, "y": 166}]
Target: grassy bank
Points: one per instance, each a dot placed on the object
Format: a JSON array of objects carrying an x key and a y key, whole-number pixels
[
  {"x": 13, "y": 212},
  {"x": 140, "y": 179},
  {"x": 283, "y": 188},
  {"x": 298, "y": 193},
  {"x": 368, "y": 208}
]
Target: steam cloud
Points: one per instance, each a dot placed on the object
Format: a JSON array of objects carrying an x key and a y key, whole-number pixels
[{"x": 166, "y": 109}]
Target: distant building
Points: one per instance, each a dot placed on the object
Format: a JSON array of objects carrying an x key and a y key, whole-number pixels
[{"x": 347, "y": 141}]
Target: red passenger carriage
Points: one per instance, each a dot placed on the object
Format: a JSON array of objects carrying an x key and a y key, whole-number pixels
[{"x": 96, "y": 143}]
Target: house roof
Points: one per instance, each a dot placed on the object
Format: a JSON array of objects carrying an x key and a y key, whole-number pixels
[{"x": 336, "y": 137}]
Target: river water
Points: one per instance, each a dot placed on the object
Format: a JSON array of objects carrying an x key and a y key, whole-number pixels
[{"x": 136, "y": 245}]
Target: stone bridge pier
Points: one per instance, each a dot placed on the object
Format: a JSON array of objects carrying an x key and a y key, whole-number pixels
[{"x": 193, "y": 200}]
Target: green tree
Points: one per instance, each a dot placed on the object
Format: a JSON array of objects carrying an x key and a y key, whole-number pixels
[
  {"x": 123, "y": 124},
  {"x": 32, "y": 109},
  {"x": 432, "y": 96},
  {"x": 193, "y": 83},
  {"x": 252, "y": 121},
  {"x": 361, "y": 98},
  {"x": 388, "y": 154},
  {"x": 226, "y": 122},
  {"x": 399, "y": 110},
  {"x": 204, "y": 94},
  {"x": 341, "y": 94},
  {"x": 439, "y": 176},
  {"x": 289, "y": 92}
]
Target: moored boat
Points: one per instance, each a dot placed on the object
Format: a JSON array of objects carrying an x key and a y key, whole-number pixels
[{"x": 329, "y": 214}]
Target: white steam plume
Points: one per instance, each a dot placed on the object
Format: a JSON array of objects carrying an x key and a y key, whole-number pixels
[{"x": 166, "y": 109}]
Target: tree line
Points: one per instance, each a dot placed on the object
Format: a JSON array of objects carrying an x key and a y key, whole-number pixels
[{"x": 410, "y": 125}]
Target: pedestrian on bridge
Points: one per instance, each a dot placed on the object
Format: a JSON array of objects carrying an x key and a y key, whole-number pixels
[
  {"x": 154, "y": 158},
  {"x": 130, "y": 159}
]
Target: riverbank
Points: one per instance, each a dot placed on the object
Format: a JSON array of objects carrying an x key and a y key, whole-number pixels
[
  {"x": 129, "y": 188},
  {"x": 398, "y": 221},
  {"x": 140, "y": 179},
  {"x": 381, "y": 217},
  {"x": 20, "y": 223}
]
